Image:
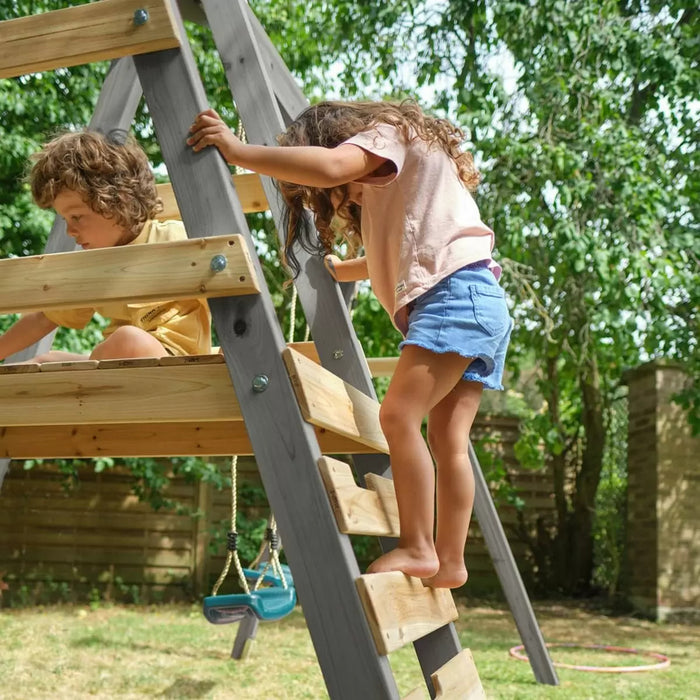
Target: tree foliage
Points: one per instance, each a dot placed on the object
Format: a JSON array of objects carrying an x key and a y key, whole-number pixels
[{"x": 583, "y": 116}]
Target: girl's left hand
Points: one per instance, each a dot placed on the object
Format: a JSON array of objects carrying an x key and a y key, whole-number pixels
[{"x": 209, "y": 129}]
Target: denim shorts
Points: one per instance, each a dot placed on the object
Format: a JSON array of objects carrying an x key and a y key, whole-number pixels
[{"x": 465, "y": 313}]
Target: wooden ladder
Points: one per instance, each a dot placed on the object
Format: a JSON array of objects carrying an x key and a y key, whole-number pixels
[{"x": 265, "y": 399}]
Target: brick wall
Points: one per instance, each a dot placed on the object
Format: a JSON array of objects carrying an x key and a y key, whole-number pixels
[{"x": 662, "y": 567}]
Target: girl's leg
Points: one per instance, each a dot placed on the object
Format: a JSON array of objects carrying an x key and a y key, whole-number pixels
[
  {"x": 421, "y": 380},
  {"x": 128, "y": 342},
  {"x": 449, "y": 424}
]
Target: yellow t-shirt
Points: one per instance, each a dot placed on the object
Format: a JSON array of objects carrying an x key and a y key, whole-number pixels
[{"x": 183, "y": 327}]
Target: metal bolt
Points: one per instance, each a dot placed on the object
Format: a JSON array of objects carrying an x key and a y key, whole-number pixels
[
  {"x": 218, "y": 263},
  {"x": 140, "y": 17},
  {"x": 260, "y": 383},
  {"x": 337, "y": 354}
]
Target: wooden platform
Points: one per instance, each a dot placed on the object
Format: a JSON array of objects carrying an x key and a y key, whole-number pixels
[{"x": 150, "y": 407}]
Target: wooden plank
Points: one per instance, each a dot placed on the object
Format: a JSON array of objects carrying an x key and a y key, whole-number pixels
[
  {"x": 19, "y": 368},
  {"x": 400, "y": 608},
  {"x": 175, "y": 270},
  {"x": 179, "y": 360},
  {"x": 68, "y": 366},
  {"x": 358, "y": 511},
  {"x": 378, "y": 366},
  {"x": 129, "y": 362},
  {"x": 248, "y": 188},
  {"x": 329, "y": 402},
  {"x": 137, "y": 395},
  {"x": 99, "y": 31},
  {"x": 458, "y": 678},
  {"x": 145, "y": 440}
]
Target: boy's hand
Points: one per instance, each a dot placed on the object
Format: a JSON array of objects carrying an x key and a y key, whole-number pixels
[
  {"x": 329, "y": 262},
  {"x": 209, "y": 129}
]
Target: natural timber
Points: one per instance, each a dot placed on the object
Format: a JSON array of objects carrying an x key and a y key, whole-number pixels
[
  {"x": 99, "y": 31},
  {"x": 153, "y": 272}
]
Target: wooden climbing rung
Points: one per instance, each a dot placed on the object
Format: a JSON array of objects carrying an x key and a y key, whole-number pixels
[
  {"x": 326, "y": 401},
  {"x": 248, "y": 188},
  {"x": 400, "y": 609},
  {"x": 145, "y": 407},
  {"x": 174, "y": 270},
  {"x": 358, "y": 511},
  {"x": 99, "y": 31},
  {"x": 457, "y": 679}
]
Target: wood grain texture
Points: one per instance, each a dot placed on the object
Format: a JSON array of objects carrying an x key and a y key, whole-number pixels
[
  {"x": 248, "y": 188},
  {"x": 182, "y": 439},
  {"x": 175, "y": 270},
  {"x": 135, "y": 395},
  {"x": 401, "y": 609},
  {"x": 458, "y": 678},
  {"x": 99, "y": 31},
  {"x": 329, "y": 402},
  {"x": 358, "y": 511}
]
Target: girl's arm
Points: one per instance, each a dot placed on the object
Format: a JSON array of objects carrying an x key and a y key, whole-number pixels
[
  {"x": 26, "y": 331},
  {"x": 314, "y": 166},
  {"x": 346, "y": 270}
]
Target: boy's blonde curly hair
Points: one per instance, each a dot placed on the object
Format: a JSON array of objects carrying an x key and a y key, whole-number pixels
[{"x": 110, "y": 172}]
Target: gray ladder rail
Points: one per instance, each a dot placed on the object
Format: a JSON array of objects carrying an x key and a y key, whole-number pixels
[
  {"x": 511, "y": 581},
  {"x": 233, "y": 27},
  {"x": 285, "y": 445},
  {"x": 116, "y": 106}
]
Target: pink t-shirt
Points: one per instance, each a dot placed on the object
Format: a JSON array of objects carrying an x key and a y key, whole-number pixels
[{"x": 420, "y": 224}]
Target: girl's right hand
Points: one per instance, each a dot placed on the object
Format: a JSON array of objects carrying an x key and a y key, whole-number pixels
[
  {"x": 209, "y": 129},
  {"x": 330, "y": 262}
]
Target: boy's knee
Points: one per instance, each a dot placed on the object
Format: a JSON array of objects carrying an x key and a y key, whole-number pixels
[{"x": 126, "y": 342}]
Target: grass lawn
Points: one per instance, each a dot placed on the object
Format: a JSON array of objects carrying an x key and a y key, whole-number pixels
[{"x": 172, "y": 652}]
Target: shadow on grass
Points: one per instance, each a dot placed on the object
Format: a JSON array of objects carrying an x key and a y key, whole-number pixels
[
  {"x": 187, "y": 688},
  {"x": 105, "y": 642}
]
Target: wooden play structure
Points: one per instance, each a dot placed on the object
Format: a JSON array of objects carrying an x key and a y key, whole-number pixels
[{"x": 290, "y": 406}]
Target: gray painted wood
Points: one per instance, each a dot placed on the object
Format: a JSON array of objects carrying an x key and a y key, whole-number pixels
[
  {"x": 115, "y": 109},
  {"x": 509, "y": 576},
  {"x": 239, "y": 43},
  {"x": 286, "y": 450}
]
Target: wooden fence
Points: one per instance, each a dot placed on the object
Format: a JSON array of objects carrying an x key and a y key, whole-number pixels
[{"x": 98, "y": 541}]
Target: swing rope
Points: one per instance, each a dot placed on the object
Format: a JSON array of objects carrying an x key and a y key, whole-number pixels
[{"x": 232, "y": 537}]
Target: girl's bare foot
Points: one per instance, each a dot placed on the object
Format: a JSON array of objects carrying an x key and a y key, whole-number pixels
[
  {"x": 411, "y": 562},
  {"x": 448, "y": 577}
]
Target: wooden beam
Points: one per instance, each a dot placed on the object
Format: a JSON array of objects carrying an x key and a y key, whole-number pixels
[
  {"x": 146, "y": 440},
  {"x": 99, "y": 31},
  {"x": 135, "y": 395},
  {"x": 400, "y": 608},
  {"x": 175, "y": 270},
  {"x": 358, "y": 511},
  {"x": 248, "y": 187},
  {"x": 329, "y": 402}
]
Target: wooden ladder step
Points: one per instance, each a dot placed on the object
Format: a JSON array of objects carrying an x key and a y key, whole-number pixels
[
  {"x": 153, "y": 272},
  {"x": 458, "y": 679},
  {"x": 326, "y": 401},
  {"x": 99, "y": 31},
  {"x": 248, "y": 188},
  {"x": 358, "y": 511},
  {"x": 400, "y": 609}
]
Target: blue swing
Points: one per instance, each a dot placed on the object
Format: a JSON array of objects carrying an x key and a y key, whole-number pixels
[{"x": 267, "y": 604}]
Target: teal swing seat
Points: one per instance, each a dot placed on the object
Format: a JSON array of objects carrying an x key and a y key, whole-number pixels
[{"x": 267, "y": 604}]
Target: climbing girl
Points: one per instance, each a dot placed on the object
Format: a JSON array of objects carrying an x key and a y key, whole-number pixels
[{"x": 396, "y": 180}]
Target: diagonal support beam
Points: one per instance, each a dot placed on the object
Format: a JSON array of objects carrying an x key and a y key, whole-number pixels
[{"x": 285, "y": 446}]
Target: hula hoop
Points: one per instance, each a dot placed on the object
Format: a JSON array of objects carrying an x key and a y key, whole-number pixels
[{"x": 664, "y": 661}]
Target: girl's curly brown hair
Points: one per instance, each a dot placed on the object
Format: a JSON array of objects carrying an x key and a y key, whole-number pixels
[
  {"x": 110, "y": 172},
  {"x": 329, "y": 124}
]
